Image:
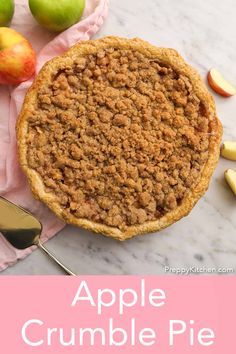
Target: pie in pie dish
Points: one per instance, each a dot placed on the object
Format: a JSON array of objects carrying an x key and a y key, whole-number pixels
[{"x": 119, "y": 137}]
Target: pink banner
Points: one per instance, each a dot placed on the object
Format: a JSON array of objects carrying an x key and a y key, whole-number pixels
[{"x": 181, "y": 315}]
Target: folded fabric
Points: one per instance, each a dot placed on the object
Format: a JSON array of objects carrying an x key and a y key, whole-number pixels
[{"x": 13, "y": 184}]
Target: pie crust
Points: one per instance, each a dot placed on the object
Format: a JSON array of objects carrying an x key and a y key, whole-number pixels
[{"x": 162, "y": 149}]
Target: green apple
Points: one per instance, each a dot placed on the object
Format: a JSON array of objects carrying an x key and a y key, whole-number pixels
[
  {"x": 6, "y": 11},
  {"x": 57, "y": 15}
]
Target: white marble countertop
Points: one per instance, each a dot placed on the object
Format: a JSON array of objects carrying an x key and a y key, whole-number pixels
[{"x": 203, "y": 32}]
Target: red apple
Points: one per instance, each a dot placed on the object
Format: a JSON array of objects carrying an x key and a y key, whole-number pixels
[
  {"x": 219, "y": 84},
  {"x": 17, "y": 57}
]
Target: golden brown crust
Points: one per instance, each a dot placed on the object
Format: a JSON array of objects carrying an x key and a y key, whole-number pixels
[{"x": 167, "y": 56}]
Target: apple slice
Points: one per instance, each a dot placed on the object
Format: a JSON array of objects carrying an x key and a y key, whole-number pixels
[
  {"x": 230, "y": 177},
  {"x": 228, "y": 150},
  {"x": 219, "y": 84}
]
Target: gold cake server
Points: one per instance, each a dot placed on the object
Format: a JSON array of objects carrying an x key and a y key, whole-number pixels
[{"x": 22, "y": 229}]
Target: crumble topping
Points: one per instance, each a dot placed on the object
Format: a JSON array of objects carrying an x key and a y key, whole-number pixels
[{"x": 118, "y": 138}]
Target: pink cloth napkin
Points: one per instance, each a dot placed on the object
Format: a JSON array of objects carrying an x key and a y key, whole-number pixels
[{"x": 13, "y": 184}]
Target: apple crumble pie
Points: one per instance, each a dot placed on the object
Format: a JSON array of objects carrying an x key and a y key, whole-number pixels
[{"x": 119, "y": 136}]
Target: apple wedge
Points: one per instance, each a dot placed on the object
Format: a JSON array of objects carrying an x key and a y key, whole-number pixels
[
  {"x": 219, "y": 84},
  {"x": 228, "y": 150},
  {"x": 230, "y": 177}
]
